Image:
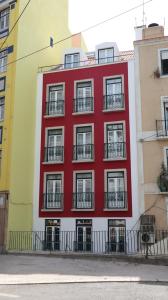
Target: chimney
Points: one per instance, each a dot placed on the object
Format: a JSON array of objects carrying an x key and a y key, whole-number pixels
[
  {"x": 138, "y": 32},
  {"x": 153, "y": 31}
]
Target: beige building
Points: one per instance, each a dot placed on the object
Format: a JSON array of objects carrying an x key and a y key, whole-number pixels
[{"x": 151, "y": 71}]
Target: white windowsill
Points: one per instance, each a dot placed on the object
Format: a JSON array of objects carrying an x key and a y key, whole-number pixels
[
  {"x": 53, "y": 116},
  {"x": 52, "y": 162},
  {"x": 114, "y": 159},
  {"x": 83, "y": 113},
  {"x": 83, "y": 161}
]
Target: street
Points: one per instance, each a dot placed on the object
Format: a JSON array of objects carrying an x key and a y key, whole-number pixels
[
  {"x": 41, "y": 277},
  {"x": 86, "y": 291}
]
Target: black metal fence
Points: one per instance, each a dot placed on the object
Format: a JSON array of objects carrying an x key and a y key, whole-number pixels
[{"x": 121, "y": 242}]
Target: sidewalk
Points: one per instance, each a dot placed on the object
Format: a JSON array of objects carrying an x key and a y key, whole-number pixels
[{"x": 22, "y": 269}]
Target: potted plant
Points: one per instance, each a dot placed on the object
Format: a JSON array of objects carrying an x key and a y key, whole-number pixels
[{"x": 162, "y": 179}]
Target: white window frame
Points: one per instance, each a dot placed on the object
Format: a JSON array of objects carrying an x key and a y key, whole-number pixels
[
  {"x": 62, "y": 187},
  {"x": 159, "y": 62},
  {"x": 93, "y": 186},
  {"x": 4, "y": 14},
  {"x": 47, "y": 97},
  {"x": 125, "y": 186},
  {"x": 71, "y": 64},
  {"x": 63, "y": 142},
  {"x": 3, "y": 60},
  {"x": 122, "y": 90},
  {"x": 75, "y": 94},
  {"x": 74, "y": 140}
]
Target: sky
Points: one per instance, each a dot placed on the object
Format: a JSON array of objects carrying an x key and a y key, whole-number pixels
[{"x": 85, "y": 13}]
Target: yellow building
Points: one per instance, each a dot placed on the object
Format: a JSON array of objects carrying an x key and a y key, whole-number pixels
[
  {"x": 151, "y": 65},
  {"x": 39, "y": 21}
]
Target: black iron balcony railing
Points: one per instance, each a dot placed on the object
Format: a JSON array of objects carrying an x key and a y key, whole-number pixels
[
  {"x": 53, "y": 201},
  {"x": 83, "y": 152},
  {"x": 55, "y": 107},
  {"x": 162, "y": 128},
  {"x": 113, "y": 102},
  {"x": 83, "y": 200},
  {"x": 83, "y": 104},
  {"x": 116, "y": 200},
  {"x": 54, "y": 154},
  {"x": 115, "y": 150}
]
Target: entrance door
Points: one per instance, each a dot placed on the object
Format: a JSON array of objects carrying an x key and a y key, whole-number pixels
[
  {"x": 116, "y": 236},
  {"x": 52, "y": 241},
  {"x": 84, "y": 238},
  {"x": 3, "y": 218}
]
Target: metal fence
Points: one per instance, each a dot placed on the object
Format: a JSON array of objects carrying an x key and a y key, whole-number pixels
[{"x": 132, "y": 242}]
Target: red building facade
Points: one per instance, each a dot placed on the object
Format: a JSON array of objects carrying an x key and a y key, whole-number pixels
[{"x": 85, "y": 162}]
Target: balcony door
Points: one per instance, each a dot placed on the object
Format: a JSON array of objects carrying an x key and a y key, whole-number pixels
[
  {"x": 115, "y": 190},
  {"x": 55, "y": 100},
  {"x": 166, "y": 117},
  {"x": 114, "y": 93},
  {"x": 84, "y": 142},
  {"x": 84, "y": 190},
  {"x": 55, "y": 145},
  {"x": 115, "y": 140},
  {"x": 83, "y": 97},
  {"x": 53, "y": 191}
]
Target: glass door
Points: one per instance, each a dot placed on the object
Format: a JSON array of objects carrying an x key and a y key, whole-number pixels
[
  {"x": 54, "y": 191},
  {"x": 55, "y": 142},
  {"x": 84, "y": 238},
  {"x": 84, "y": 191},
  {"x": 115, "y": 190},
  {"x": 84, "y": 143},
  {"x": 52, "y": 237}
]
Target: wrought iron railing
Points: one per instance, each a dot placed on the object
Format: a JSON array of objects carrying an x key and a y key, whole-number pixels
[
  {"x": 83, "y": 105},
  {"x": 53, "y": 201},
  {"x": 83, "y": 152},
  {"x": 55, "y": 108},
  {"x": 115, "y": 150},
  {"x": 125, "y": 242},
  {"x": 54, "y": 154},
  {"x": 113, "y": 102},
  {"x": 116, "y": 200},
  {"x": 162, "y": 128},
  {"x": 83, "y": 200}
]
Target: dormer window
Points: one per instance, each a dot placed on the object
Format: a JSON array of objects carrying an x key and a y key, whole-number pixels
[
  {"x": 105, "y": 55},
  {"x": 72, "y": 60},
  {"x": 164, "y": 62}
]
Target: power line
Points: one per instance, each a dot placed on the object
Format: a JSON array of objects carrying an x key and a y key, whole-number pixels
[
  {"x": 84, "y": 30},
  {"x": 15, "y": 23}
]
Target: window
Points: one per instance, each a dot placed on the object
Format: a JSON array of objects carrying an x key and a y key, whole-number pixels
[
  {"x": 162, "y": 125},
  {"x": 3, "y": 61},
  {"x": 1, "y": 130},
  {"x": 83, "y": 150},
  {"x": 54, "y": 186},
  {"x": 115, "y": 144},
  {"x": 2, "y": 83},
  {"x": 54, "y": 149},
  {"x": 84, "y": 99},
  {"x": 55, "y": 103},
  {"x": 105, "y": 55},
  {"x": 115, "y": 196},
  {"x": 83, "y": 196},
  {"x": 2, "y": 105},
  {"x": 113, "y": 98},
  {"x": 72, "y": 60},
  {"x": 4, "y": 22},
  {"x": 164, "y": 62}
]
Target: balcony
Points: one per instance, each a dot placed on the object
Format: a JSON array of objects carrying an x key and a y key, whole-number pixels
[
  {"x": 55, "y": 108},
  {"x": 114, "y": 102},
  {"x": 54, "y": 154},
  {"x": 162, "y": 128},
  {"x": 115, "y": 200},
  {"x": 53, "y": 201},
  {"x": 83, "y": 152},
  {"x": 83, "y": 105},
  {"x": 115, "y": 151},
  {"x": 83, "y": 200}
]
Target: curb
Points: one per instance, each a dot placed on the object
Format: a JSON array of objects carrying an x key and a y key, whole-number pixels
[{"x": 151, "y": 260}]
